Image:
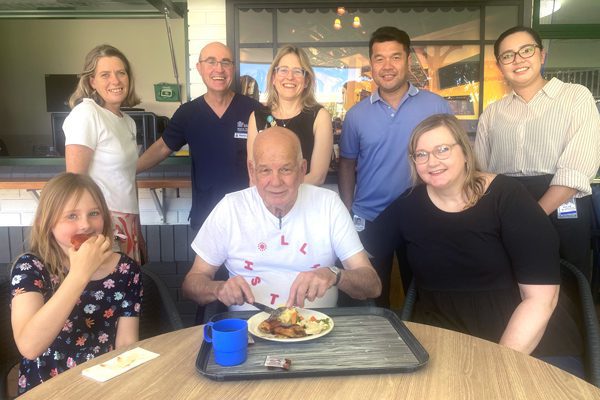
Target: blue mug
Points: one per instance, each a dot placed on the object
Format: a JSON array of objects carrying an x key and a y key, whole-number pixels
[{"x": 229, "y": 338}]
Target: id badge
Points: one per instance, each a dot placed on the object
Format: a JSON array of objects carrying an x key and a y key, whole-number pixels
[
  {"x": 567, "y": 210},
  {"x": 241, "y": 130},
  {"x": 359, "y": 223}
]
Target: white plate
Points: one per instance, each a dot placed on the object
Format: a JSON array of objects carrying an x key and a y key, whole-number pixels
[{"x": 256, "y": 319}]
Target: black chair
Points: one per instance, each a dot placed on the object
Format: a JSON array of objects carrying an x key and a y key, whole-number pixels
[
  {"x": 595, "y": 283},
  {"x": 589, "y": 318},
  {"x": 9, "y": 354},
  {"x": 591, "y": 329},
  {"x": 159, "y": 314},
  {"x": 209, "y": 311}
]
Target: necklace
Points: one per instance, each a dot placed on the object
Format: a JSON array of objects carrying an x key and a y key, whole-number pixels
[
  {"x": 284, "y": 121},
  {"x": 272, "y": 121}
]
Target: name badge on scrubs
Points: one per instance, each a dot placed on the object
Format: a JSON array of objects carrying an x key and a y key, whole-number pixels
[
  {"x": 241, "y": 131},
  {"x": 567, "y": 210},
  {"x": 359, "y": 223}
]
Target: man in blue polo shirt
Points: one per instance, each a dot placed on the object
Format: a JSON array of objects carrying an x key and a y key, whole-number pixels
[
  {"x": 215, "y": 126},
  {"x": 374, "y": 164}
]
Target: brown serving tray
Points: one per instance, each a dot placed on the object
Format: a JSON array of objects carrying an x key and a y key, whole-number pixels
[{"x": 364, "y": 340}]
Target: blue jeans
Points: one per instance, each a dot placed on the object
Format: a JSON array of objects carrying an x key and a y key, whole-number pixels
[{"x": 570, "y": 364}]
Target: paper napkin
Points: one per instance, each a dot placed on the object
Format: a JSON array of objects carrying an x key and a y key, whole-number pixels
[{"x": 119, "y": 364}]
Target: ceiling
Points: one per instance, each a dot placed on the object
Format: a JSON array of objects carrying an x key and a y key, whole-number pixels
[{"x": 91, "y": 8}]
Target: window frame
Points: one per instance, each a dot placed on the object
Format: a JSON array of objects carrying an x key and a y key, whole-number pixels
[
  {"x": 563, "y": 31},
  {"x": 232, "y": 23}
]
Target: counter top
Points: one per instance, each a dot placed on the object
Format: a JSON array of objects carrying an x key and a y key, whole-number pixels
[
  {"x": 60, "y": 161},
  {"x": 147, "y": 182}
]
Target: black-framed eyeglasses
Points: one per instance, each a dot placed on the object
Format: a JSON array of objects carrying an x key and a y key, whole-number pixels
[
  {"x": 213, "y": 63},
  {"x": 284, "y": 71},
  {"x": 526, "y": 51},
  {"x": 441, "y": 152}
]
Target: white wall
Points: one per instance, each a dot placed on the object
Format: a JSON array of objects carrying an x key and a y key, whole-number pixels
[
  {"x": 206, "y": 24},
  {"x": 31, "y": 48}
]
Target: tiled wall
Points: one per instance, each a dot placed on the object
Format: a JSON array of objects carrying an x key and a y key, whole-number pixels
[
  {"x": 17, "y": 207},
  {"x": 206, "y": 24}
]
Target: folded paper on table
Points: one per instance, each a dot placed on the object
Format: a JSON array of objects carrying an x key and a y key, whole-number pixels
[{"x": 119, "y": 364}]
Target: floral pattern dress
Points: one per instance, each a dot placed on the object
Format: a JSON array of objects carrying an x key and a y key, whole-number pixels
[{"x": 91, "y": 327}]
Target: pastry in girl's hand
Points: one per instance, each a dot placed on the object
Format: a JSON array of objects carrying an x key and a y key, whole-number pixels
[{"x": 78, "y": 239}]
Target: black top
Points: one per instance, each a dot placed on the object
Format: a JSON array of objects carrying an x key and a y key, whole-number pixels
[
  {"x": 467, "y": 264},
  {"x": 302, "y": 125}
]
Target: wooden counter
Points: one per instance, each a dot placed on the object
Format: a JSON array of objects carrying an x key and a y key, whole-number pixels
[
  {"x": 142, "y": 183},
  {"x": 31, "y": 174}
]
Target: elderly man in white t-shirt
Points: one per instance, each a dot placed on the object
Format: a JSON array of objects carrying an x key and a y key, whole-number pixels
[{"x": 279, "y": 239}]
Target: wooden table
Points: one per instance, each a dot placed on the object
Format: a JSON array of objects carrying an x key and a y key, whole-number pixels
[{"x": 460, "y": 367}]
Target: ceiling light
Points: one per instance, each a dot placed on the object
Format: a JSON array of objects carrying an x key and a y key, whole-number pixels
[
  {"x": 337, "y": 24},
  {"x": 356, "y": 22},
  {"x": 341, "y": 11}
]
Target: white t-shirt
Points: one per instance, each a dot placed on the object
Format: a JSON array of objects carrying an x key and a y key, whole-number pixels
[
  {"x": 242, "y": 234},
  {"x": 115, "y": 151}
]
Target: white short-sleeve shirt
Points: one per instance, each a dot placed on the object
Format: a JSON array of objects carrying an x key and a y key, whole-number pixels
[
  {"x": 113, "y": 140},
  {"x": 242, "y": 234}
]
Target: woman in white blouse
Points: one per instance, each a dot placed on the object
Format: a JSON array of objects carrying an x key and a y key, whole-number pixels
[{"x": 546, "y": 133}]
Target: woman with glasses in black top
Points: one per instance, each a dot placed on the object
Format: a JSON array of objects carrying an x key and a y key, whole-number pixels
[
  {"x": 483, "y": 254},
  {"x": 291, "y": 103}
]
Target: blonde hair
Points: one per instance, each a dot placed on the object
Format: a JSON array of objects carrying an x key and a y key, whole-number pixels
[
  {"x": 56, "y": 194},
  {"x": 84, "y": 88},
  {"x": 307, "y": 97},
  {"x": 474, "y": 184}
]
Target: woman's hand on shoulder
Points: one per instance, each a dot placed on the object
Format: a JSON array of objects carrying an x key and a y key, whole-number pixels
[{"x": 91, "y": 255}]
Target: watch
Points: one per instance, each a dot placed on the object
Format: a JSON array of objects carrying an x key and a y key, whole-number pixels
[{"x": 338, "y": 274}]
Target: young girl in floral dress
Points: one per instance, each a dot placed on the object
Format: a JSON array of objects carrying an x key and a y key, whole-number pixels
[{"x": 69, "y": 305}]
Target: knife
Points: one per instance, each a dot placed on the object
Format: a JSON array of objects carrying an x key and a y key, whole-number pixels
[{"x": 263, "y": 307}]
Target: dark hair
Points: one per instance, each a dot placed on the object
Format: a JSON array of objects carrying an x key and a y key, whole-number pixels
[
  {"x": 516, "y": 29},
  {"x": 84, "y": 88},
  {"x": 389, "y": 34}
]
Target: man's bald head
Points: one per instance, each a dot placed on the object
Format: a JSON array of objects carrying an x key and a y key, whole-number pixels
[
  {"x": 214, "y": 47},
  {"x": 279, "y": 137}
]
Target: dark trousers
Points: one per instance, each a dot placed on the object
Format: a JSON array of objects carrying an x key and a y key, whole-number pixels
[
  {"x": 383, "y": 264},
  {"x": 575, "y": 234}
]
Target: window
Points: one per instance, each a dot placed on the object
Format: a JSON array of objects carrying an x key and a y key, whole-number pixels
[
  {"x": 449, "y": 56},
  {"x": 571, "y": 37}
]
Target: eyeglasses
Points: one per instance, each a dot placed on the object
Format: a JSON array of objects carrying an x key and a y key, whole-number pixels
[
  {"x": 441, "y": 152},
  {"x": 213, "y": 63},
  {"x": 284, "y": 71},
  {"x": 526, "y": 51}
]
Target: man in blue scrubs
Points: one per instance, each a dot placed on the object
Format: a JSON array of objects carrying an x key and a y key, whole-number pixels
[
  {"x": 374, "y": 165},
  {"x": 215, "y": 127}
]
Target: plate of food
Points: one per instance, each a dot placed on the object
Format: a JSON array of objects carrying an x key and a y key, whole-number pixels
[{"x": 291, "y": 325}]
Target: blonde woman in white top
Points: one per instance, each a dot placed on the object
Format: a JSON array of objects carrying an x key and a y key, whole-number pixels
[{"x": 100, "y": 140}]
